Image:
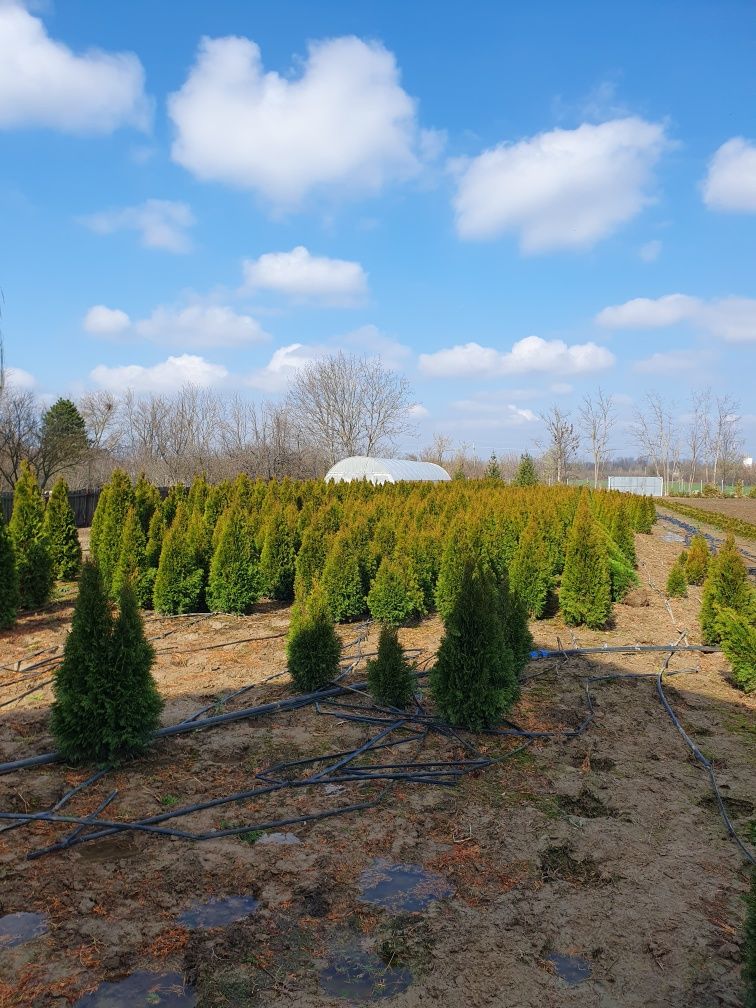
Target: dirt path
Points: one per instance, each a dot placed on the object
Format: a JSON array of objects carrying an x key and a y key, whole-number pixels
[{"x": 606, "y": 850}]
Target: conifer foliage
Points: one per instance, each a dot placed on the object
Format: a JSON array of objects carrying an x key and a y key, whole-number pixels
[
  {"x": 33, "y": 564},
  {"x": 234, "y": 583},
  {"x": 61, "y": 534},
  {"x": 697, "y": 560},
  {"x": 737, "y": 636},
  {"x": 313, "y": 649},
  {"x": 473, "y": 680},
  {"x": 395, "y": 595},
  {"x": 677, "y": 582},
  {"x": 389, "y": 674},
  {"x": 8, "y": 578},
  {"x": 180, "y": 578},
  {"x": 726, "y": 587},
  {"x": 530, "y": 571},
  {"x": 131, "y": 567},
  {"x": 585, "y": 596},
  {"x": 106, "y": 702}
]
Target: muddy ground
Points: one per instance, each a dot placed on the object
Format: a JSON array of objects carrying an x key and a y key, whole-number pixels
[
  {"x": 606, "y": 849},
  {"x": 741, "y": 507}
]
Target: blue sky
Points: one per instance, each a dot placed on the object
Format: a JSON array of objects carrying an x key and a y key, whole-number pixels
[{"x": 513, "y": 203}]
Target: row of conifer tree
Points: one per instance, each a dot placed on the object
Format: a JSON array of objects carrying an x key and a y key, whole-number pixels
[{"x": 392, "y": 552}]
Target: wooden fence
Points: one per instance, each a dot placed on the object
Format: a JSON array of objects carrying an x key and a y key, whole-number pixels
[{"x": 83, "y": 504}]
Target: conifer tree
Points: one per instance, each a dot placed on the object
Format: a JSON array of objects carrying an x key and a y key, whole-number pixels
[
  {"x": 585, "y": 595},
  {"x": 526, "y": 473},
  {"x": 155, "y": 535},
  {"x": 313, "y": 649},
  {"x": 80, "y": 684},
  {"x": 530, "y": 570},
  {"x": 134, "y": 703},
  {"x": 389, "y": 675},
  {"x": 737, "y": 637},
  {"x": 179, "y": 579},
  {"x": 311, "y": 558},
  {"x": 677, "y": 582},
  {"x": 61, "y": 534},
  {"x": 131, "y": 567},
  {"x": 726, "y": 587},
  {"x": 98, "y": 520},
  {"x": 697, "y": 561},
  {"x": 395, "y": 594},
  {"x": 622, "y": 534},
  {"x": 108, "y": 544},
  {"x": 234, "y": 582},
  {"x": 456, "y": 552},
  {"x": 26, "y": 527},
  {"x": 106, "y": 703},
  {"x": 9, "y": 596},
  {"x": 749, "y": 943},
  {"x": 146, "y": 501},
  {"x": 473, "y": 681},
  {"x": 277, "y": 558},
  {"x": 493, "y": 470},
  {"x": 342, "y": 579}
]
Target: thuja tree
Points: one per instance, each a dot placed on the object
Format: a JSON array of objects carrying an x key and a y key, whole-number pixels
[
  {"x": 277, "y": 557},
  {"x": 697, "y": 560},
  {"x": 395, "y": 594},
  {"x": 313, "y": 648},
  {"x": 677, "y": 582},
  {"x": 107, "y": 545},
  {"x": 726, "y": 587},
  {"x": 389, "y": 675},
  {"x": 737, "y": 637},
  {"x": 234, "y": 582},
  {"x": 179, "y": 579},
  {"x": 9, "y": 596},
  {"x": 585, "y": 596},
  {"x": 310, "y": 558},
  {"x": 61, "y": 534},
  {"x": 146, "y": 501},
  {"x": 131, "y": 567},
  {"x": 530, "y": 570},
  {"x": 622, "y": 534},
  {"x": 106, "y": 703},
  {"x": 33, "y": 564},
  {"x": 342, "y": 579},
  {"x": 473, "y": 681},
  {"x": 749, "y": 946}
]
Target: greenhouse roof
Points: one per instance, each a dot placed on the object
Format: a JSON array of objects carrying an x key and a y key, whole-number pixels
[{"x": 380, "y": 470}]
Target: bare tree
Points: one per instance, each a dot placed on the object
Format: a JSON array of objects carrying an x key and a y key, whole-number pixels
[
  {"x": 438, "y": 450},
  {"x": 698, "y": 433},
  {"x": 597, "y": 419},
  {"x": 563, "y": 441},
  {"x": 19, "y": 432},
  {"x": 725, "y": 436},
  {"x": 657, "y": 435},
  {"x": 348, "y": 405}
]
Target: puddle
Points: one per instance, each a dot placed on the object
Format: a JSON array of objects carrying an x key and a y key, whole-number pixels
[
  {"x": 362, "y": 976},
  {"x": 673, "y": 537},
  {"x": 402, "y": 887},
  {"x": 19, "y": 928},
  {"x": 141, "y": 990},
  {"x": 573, "y": 970},
  {"x": 218, "y": 912}
]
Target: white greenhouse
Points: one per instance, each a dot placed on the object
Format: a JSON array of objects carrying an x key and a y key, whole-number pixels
[{"x": 379, "y": 470}]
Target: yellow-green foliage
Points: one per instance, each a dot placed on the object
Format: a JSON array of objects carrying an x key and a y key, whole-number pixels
[{"x": 398, "y": 550}]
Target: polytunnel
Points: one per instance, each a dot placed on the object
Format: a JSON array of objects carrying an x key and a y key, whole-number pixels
[{"x": 380, "y": 470}]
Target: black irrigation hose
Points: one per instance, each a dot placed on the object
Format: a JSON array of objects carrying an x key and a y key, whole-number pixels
[
  {"x": 64, "y": 799},
  {"x": 623, "y": 649},
  {"x": 28, "y": 692}
]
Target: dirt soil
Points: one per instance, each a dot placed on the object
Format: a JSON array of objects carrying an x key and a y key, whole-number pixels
[
  {"x": 734, "y": 507},
  {"x": 607, "y": 848}
]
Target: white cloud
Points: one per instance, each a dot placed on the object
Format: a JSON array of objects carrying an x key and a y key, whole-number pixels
[
  {"x": 19, "y": 379},
  {"x": 369, "y": 339},
  {"x": 671, "y": 362},
  {"x": 162, "y": 224},
  {"x": 344, "y": 123},
  {"x": 200, "y": 326},
  {"x": 299, "y": 274},
  {"x": 531, "y": 354},
  {"x": 731, "y": 180},
  {"x": 732, "y": 319},
  {"x": 103, "y": 321},
  {"x": 649, "y": 313},
  {"x": 43, "y": 83},
  {"x": 651, "y": 251},
  {"x": 284, "y": 363},
  {"x": 418, "y": 411},
  {"x": 168, "y": 376},
  {"x": 561, "y": 388},
  {"x": 488, "y": 412},
  {"x": 561, "y": 189},
  {"x": 191, "y": 326}
]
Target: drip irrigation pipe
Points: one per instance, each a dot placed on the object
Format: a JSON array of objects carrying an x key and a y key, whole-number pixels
[
  {"x": 28, "y": 692},
  {"x": 624, "y": 649}
]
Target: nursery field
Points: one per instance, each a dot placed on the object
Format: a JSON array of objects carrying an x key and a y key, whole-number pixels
[
  {"x": 734, "y": 507},
  {"x": 590, "y": 869}
]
